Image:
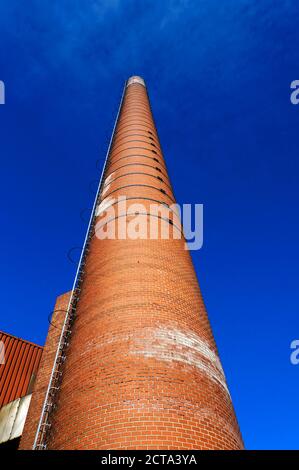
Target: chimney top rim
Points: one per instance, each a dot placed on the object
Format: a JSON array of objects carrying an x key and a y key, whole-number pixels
[{"x": 135, "y": 79}]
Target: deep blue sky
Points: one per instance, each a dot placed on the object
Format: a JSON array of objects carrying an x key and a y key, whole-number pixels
[{"x": 218, "y": 75}]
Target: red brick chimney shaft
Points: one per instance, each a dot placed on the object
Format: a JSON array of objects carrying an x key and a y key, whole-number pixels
[{"x": 142, "y": 368}]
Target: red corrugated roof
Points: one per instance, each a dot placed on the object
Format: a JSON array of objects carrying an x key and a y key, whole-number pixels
[{"x": 18, "y": 372}]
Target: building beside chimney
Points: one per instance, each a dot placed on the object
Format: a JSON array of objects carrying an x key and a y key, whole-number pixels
[{"x": 19, "y": 362}]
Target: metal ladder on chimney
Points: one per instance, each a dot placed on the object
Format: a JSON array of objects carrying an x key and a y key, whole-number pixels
[{"x": 40, "y": 441}]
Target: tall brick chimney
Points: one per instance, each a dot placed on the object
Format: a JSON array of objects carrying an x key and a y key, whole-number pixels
[{"x": 142, "y": 369}]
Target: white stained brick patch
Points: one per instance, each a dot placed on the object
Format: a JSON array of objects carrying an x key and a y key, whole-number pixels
[{"x": 171, "y": 344}]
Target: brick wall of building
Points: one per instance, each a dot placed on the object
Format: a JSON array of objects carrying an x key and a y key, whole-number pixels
[{"x": 44, "y": 371}]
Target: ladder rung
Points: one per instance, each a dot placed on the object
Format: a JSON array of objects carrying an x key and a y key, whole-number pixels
[
  {"x": 42, "y": 446},
  {"x": 48, "y": 425}
]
